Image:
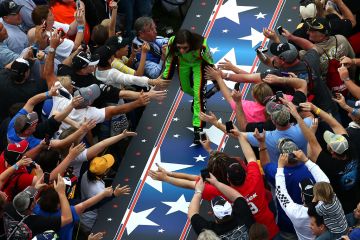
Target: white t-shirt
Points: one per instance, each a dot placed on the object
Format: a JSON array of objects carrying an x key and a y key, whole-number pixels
[{"x": 78, "y": 161}]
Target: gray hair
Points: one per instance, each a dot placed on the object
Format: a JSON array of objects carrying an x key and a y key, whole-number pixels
[
  {"x": 208, "y": 235},
  {"x": 141, "y": 23}
]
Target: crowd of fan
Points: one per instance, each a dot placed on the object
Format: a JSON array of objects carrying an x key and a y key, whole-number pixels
[
  {"x": 70, "y": 89},
  {"x": 304, "y": 126}
]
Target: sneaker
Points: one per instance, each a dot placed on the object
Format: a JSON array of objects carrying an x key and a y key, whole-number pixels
[{"x": 197, "y": 131}]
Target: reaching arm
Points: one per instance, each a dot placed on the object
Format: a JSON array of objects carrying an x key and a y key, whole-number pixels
[
  {"x": 246, "y": 148},
  {"x": 245, "y": 77},
  {"x": 228, "y": 191},
  {"x": 264, "y": 155},
  {"x": 66, "y": 215},
  {"x": 194, "y": 207},
  {"x": 346, "y": 12},
  {"x": 113, "y": 6},
  {"x": 164, "y": 177},
  {"x": 49, "y": 61},
  {"x": 297, "y": 84},
  {"x": 330, "y": 120},
  {"x": 316, "y": 171},
  {"x": 301, "y": 42},
  {"x": 81, "y": 207}
]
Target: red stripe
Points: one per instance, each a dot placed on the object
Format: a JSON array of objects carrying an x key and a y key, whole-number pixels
[{"x": 185, "y": 230}]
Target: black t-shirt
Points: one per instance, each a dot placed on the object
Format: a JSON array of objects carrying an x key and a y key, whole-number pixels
[
  {"x": 322, "y": 95},
  {"x": 11, "y": 92},
  {"x": 343, "y": 175},
  {"x": 37, "y": 224},
  {"x": 339, "y": 26},
  {"x": 236, "y": 228},
  {"x": 47, "y": 127},
  {"x": 109, "y": 94}
]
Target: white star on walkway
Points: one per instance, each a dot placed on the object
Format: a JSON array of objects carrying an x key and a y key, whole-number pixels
[
  {"x": 144, "y": 140},
  {"x": 231, "y": 10},
  {"x": 199, "y": 158},
  {"x": 225, "y": 30},
  {"x": 176, "y": 136},
  {"x": 176, "y": 119},
  {"x": 198, "y": 15},
  {"x": 161, "y": 230},
  {"x": 255, "y": 37},
  {"x": 171, "y": 167},
  {"x": 214, "y": 50},
  {"x": 155, "y": 115},
  {"x": 180, "y": 205},
  {"x": 139, "y": 218},
  {"x": 260, "y": 15}
]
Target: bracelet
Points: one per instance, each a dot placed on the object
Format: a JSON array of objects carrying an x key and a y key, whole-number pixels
[
  {"x": 317, "y": 111},
  {"x": 15, "y": 166},
  {"x": 80, "y": 28},
  {"x": 262, "y": 149},
  {"x": 47, "y": 94},
  {"x": 345, "y": 79},
  {"x": 198, "y": 191}
]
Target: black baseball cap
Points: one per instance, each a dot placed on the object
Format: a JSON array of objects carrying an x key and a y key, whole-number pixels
[
  {"x": 105, "y": 52},
  {"x": 20, "y": 66},
  {"x": 307, "y": 193},
  {"x": 286, "y": 51},
  {"x": 9, "y": 7},
  {"x": 319, "y": 24},
  {"x": 84, "y": 59},
  {"x": 117, "y": 42}
]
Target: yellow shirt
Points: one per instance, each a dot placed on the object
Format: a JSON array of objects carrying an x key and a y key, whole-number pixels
[{"x": 120, "y": 64}]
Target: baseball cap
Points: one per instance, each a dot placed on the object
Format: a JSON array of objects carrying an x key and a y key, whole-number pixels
[
  {"x": 221, "y": 207},
  {"x": 307, "y": 193},
  {"x": 23, "y": 200},
  {"x": 105, "y": 52},
  {"x": 9, "y": 8},
  {"x": 278, "y": 112},
  {"x": 84, "y": 59},
  {"x": 336, "y": 142},
  {"x": 236, "y": 174},
  {"x": 319, "y": 24},
  {"x": 117, "y": 42},
  {"x": 24, "y": 121},
  {"x": 286, "y": 145},
  {"x": 15, "y": 151},
  {"x": 89, "y": 93},
  {"x": 100, "y": 165},
  {"x": 20, "y": 66},
  {"x": 286, "y": 51}
]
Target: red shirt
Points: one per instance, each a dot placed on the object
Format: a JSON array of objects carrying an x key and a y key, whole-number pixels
[
  {"x": 22, "y": 178},
  {"x": 254, "y": 192}
]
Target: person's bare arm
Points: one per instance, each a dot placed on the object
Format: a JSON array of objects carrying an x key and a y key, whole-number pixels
[
  {"x": 145, "y": 48},
  {"x": 113, "y": 7},
  {"x": 162, "y": 176},
  {"x": 351, "y": 86},
  {"x": 297, "y": 84},
  {"x": 94, "y": 150},
  {"x": 194, "y": 206},
  {"x": 76, "y": 101},
  {"x": 313, "y": 144},
  {"x": 228, "y": 191},
  {"x": 213, "y": 74},
  {"x": 346, "y": 12},
  {"x": 66, "y": 215},
  {"x": 33, "y": 101},
  {"x": 246, "y": 148},
  {"x": 73, "y": 153},
  {"x": 211, "y": 118},
  {"x": 81, "y": 207},
  {"x": 240, "y": 115},
  {"x": 68, "y": 60},
  {"x": 49, "y": 61},
  {"x": 301, "y": 42},
  {"x": 227, "y": 65},
  {"x": 264, "y": 155},
  {"x": 25, "y": 161},
  {"x": 244, "y": 77}
]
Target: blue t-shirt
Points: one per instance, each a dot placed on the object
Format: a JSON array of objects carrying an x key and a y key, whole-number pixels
[
  {"x": 66, "y": 231},
  {"x": 272, "y": 138},
  {"x": 293, "y": 176},
  {"x": 14, "y": 138}
]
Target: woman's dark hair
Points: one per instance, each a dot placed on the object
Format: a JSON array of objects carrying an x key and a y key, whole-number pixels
[
  {"x": 218, "y": 164},
  {"x": 319, "y": 220},
  {"x": 48, "y": 159},
  {"x": 258, "y": 231},
  {"x": 194, "y": 40},
  {"x": 99, "y": 35},
  {"x": 49, "y": 200},
  {"x": 40, "y": 13}
]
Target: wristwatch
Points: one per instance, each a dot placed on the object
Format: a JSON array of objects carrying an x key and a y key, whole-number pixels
[{"x": 51, "y": 50}]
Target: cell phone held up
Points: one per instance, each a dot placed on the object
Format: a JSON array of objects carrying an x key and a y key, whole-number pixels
[
  {"x": 229, "y": 125},
  {"x": 280, "y": 30},
  {"x": 205, "y": 174},
  {"x": 46, "y": 177},
  {"x": 203, "y": 136},
  {"x": 279, "y": 94}
]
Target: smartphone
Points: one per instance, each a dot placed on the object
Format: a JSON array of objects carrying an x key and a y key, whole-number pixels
[
  {"x": 32, "y": 164},
  {"x": 84, "y": 47},
  {"x": 298, "y": 108},
  {"x": 280, "y": 30},
  {"x": 34, "y": 50},
  {"x": 205, "y": 174},
  {"x": 64, "y": 94},
  {"x": 279, "y": 94},
  {"x": 229, "y": 125},
  {"x": 46, "y": 177},
  {"x": 237, "y": 86},
  {"x": 203, "y": 136},
  {"x": 261, "y": 50}
]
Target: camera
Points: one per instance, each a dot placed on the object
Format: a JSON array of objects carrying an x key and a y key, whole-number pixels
[
  {"x": 229, "y": 125},
  {"x": 203, "y": 136},
  {"x": 280, "y": 30}
]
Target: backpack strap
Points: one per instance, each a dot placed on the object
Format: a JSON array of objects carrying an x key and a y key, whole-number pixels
[{"x": 16, "y": 227}]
